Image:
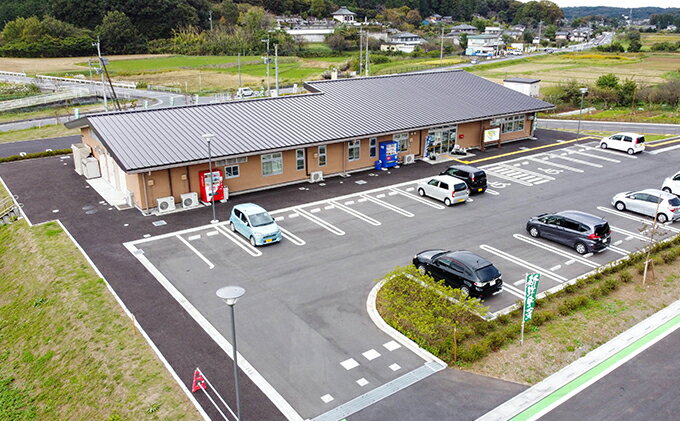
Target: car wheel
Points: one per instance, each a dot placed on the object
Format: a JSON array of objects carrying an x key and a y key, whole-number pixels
[
  {"x": 603, "y": 145},
  {"x": 630, "y": 151},
  {"x": 581, "y": 248},
  {"x": 252, "y": 241},
  {"x": 422, "y": 270},
  {"x": 465, "y": 290},
  {"x": 232, "y": 227},
  {"x": 533, "y": 231},
  {"x": 667, "y": 189},
  {"x": 662, "y": 218},
  {"x": 447, "y": 201},
  {"x": 421, "y": 192},
  {"x": 620, "y": 206}
]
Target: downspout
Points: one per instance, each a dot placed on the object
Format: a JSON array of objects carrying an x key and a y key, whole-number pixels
[{"x": 146, "y": 197}]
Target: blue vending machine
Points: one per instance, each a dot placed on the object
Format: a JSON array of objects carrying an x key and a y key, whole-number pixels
[{"x": 389, "y": 154}]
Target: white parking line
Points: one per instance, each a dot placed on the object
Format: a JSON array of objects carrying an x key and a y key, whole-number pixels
[
  {"x": 211, "y": 233},
  {"x": 380, "y": 196},
  {"x": 590, "y": 155},
  {"x": 555, "y": 250},
  {"x": 416, "y": 198},
  {"x": 328, "y": 207},
  {"x": 392, "y": 193},
  {"x": 529, "y": 172},
  {"x": 616, "y": 243},
  {"x": 637, "y": 218},
  {"x": 619, "y": 154},
  {"x": 514, "y": 291},
  {"x": 293, "y": 215},
  {"x": 505, "y": 177},
  {"x": 629, "y": 234},
  {"x": 292, "y": 237},
  {"x": 523, "y": 263},
  {"x": 357, "y": 214},
  {"x": 387, "y": 205},
  {"x": 556, "y": 267},
  {"x": 198, "y": 253},
  {"x": 493, "y": 192},
  {"x": 349, "y": 202},
  {"x": 410, "y": 188},
  {"x": 315, "y": 210},
  {"x": 278, "y": 218},
  {"x": 565, "y": 167},
  {"x": 579, "y": 161},
  {"x": 239, "y": 242},
  {"x": 320, "y": 222},
  {"x": 619, "y": 250},
  {"x": 194, "y": 237}
]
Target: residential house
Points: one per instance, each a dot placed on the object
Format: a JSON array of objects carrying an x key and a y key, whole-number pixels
[
  {"x": 344, "y": 15},
  {"x": 483, "y": 45}
]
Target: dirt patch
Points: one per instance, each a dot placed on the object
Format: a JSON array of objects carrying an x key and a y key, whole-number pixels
[
  {"x": 554, "y": 345},
  {"x": 61, "y": 64},
  {"x": 196, "y": 80}
]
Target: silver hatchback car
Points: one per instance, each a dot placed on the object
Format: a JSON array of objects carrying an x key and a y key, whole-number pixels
[
  {"x": 446, "y": 188},
  {"x": 647, "y": 202}
]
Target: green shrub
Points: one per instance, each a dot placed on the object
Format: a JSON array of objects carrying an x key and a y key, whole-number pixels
[
  {"x": 625, "y": 276},
  {"x": 35, "y": 155},
  {"x": 496, "y": 339},
  {"x": 473, "y": 352},
  {"x": 571, "y": 304},
  {"x": 542, "y": 316}
]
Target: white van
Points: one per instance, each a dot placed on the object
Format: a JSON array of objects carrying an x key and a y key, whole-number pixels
[
  {"x": 631, "y": 143},
  {"x": 445, "y": 188}
]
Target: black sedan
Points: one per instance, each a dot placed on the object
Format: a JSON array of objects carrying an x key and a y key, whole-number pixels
[{"x": 471, "y": 273}]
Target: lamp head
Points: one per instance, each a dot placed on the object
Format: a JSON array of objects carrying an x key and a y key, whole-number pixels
[{"x": 230, "y": 294}]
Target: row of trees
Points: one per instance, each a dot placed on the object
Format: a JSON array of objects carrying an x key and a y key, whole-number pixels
[
  {"x": 663, "y": 20},
  {"x": 609, "y": 91}
]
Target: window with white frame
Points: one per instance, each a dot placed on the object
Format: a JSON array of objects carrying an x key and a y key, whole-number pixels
[
  {"x": 402, "y": 138},
  {"x": 511, "y": 124},
  {"x": 232, "y": 171},
  {"x": 230, "y": 161},
  {"x": 354, "y": 150},
  {"x": 272, "y": 163},
  {"x": 322, "y": 155},
  {"x": 299, "y": 159},
  {"x": 373, "y": 147}
]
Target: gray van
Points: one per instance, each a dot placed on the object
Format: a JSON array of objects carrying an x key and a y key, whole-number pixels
[{"x": 584, "y": 232}]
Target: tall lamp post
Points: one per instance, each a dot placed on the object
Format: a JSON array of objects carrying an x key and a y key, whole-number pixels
[
  {"x": 208, "y": 138},
  {"x": 230, "y": 295},
  {"x": 580, "y": 113}
]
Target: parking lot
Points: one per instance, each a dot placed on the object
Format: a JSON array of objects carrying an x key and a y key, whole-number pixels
[{"x": 304, "y": 328}]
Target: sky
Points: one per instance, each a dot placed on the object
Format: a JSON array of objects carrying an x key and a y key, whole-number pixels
[{"x": 617, "y": 3}]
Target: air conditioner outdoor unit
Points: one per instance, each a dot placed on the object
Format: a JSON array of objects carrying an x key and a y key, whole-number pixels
[
  {"x": 409, "y": 159},
  {"x": 189, "y": 199},
  {"x": 166, "y": 204},
  {"x": 316, "y": 176}
]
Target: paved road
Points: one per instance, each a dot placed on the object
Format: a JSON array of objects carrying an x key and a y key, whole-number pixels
[
  {"x": 40, "y": 145},
  {"x": 610, "y": 126}
]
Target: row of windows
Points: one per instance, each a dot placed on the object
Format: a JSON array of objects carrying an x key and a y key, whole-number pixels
[
  {"x": 512, "y": 124},
  {"x": 272, "y": 164}
]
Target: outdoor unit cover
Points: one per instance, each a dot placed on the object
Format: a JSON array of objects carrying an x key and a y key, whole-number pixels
[
  {"x": 189, "y": 199},
  {"x": 90, "y": 168},
  {"x": 166, "y": 204},
  {"x": 316, "y": 176},
  {"x": 409, "y": 159}
]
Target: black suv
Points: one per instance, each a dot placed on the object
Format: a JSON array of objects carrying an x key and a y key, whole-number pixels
[
  {"x": 584, "y": 232},
  {"x": 472, "y": 274},
  {"x": 473, "y": 177}
]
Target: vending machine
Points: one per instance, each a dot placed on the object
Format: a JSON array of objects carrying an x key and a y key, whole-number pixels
[
  {"x": 217, "y": 192},
  {"x": 389, "y": 154}
]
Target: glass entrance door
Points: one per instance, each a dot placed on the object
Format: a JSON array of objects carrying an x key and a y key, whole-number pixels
[{"x": 443, "y": 139}]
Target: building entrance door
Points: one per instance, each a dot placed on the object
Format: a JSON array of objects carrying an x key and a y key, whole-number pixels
[{"x": 443, "y": 139}]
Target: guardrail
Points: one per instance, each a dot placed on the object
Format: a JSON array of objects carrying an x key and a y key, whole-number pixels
[
  {"x": 2, "y": 72},
  {"x": 163, "y": 89},
  {"x": 128, "y": 85},
  {"x": 43, "y": 99}
]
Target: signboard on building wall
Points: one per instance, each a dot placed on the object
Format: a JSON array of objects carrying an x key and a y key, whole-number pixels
[{"x": 492, "y": 135}]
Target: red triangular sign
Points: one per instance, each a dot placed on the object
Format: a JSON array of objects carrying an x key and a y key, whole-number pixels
[{"x": 199, "y": 381}]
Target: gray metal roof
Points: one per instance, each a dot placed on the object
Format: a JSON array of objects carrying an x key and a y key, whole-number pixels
[
  {"x": 521, "y": 80},
  {"x": 336, "y": 111}
]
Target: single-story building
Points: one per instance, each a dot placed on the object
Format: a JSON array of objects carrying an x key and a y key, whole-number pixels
[{"x": 337, "y": 128}]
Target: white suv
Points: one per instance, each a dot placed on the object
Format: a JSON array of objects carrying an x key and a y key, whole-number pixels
[
  {"x": 630, "y": 143},
  {"x": 672, "y": 184}
]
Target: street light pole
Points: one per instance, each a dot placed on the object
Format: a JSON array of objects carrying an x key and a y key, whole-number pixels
[
  {"x": 580, "y": 113},
  {"x": 209, "y": 137},
  {"x": 230, "y": 295}
]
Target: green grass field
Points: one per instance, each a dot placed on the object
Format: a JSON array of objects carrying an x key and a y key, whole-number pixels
[
  {"x": 54, "y": 130},
  {"x": 67, "y": 350}
]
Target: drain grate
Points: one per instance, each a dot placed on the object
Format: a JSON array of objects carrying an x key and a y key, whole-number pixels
[{"x": 159, "y": 223}]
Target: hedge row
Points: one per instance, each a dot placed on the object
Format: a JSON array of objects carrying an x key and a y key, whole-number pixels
[{"x": 35, "y": 155}]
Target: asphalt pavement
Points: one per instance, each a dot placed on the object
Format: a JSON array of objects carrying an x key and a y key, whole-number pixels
[
  {"x": 39, "y": 145},
  {"x": 610, "y": 126}
]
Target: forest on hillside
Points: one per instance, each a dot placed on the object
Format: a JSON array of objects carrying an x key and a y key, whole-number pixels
[{"x": 616, "y": 12}]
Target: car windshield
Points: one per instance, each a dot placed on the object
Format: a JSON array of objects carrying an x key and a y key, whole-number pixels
[
  {"x": 602, "y": 230},
  {"x": 261, "y": 219},
  {"x": 674, "y": 201},
  {"x": 488, "y": 273}
]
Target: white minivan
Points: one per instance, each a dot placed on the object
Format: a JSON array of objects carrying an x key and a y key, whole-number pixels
[
  {"x": 445, "y": 188},
  {"x": 631, "y": 143}
]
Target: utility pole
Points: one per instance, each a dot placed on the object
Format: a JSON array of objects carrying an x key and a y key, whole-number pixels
[
  {"x": 239, "y": 70},
  {"x": 101, "y": 72},
  {"x": 441, "y": 48},
  {"x": 210, "y": 18},
  {"x": 102, "y": 63},
  {"x": 361, "y": 51},
  {"x": 366, "y": 53},
  {"x": 269, "y": 86},
  {"x": 276, "y": 67},
  {"x": 540, "y": 26}
]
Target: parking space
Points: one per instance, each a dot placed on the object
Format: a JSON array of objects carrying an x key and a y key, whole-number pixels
[{"x": 315, "y": 346}]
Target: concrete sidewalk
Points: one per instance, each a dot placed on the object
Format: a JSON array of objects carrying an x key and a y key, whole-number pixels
[{"x": 543, "y": 397}]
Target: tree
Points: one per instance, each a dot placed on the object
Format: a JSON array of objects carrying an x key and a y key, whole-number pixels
[
  {"x": 609, "y": 80},
  {"x": 318, "y": 8},
  {"x": 226, "y": 12},
  {"x": 634, "y": 46},
  {"x": 119, "y": 36},
  {"x": 463, "y": 41},
  {"x": 337, "y": 42},
  {"x": 413, "y": 17},
  {"x": 627, "y": 91}
]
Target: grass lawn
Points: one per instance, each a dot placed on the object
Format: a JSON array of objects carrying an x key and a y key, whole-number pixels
[
  {"x": 67, "y": 350},
  {"x": 54, "y": 130},
  {"x": 44, "y": 112},
  {"x": 654, "y": 114},
  {"x": 552, "y": 69}
]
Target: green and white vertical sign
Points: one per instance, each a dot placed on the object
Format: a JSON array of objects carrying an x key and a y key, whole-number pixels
[{"x": 530, "y": 290}]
